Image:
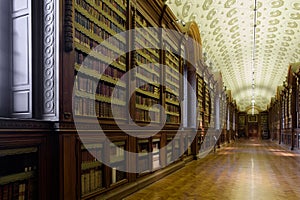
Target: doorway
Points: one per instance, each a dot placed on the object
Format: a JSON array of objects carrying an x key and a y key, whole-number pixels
[{"x": 253, "y": 130}]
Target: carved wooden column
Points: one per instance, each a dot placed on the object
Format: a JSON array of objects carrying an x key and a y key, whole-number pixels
[{"x": 50, "y": 66}]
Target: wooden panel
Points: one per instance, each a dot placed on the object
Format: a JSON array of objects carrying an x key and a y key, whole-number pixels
[
  {"x": 19, "y": 5},
  {"x": 21, "y": 102},
  {"x": 21, "y": 51}
]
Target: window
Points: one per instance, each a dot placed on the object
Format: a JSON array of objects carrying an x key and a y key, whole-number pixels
[{"x": 16, "y": 62}]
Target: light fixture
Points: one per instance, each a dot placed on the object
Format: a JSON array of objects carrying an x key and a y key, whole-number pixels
[{"x": 253, "y": 56}]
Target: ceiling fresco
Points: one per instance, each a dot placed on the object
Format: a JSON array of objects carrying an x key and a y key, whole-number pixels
[{"x": 228, "y": 29}]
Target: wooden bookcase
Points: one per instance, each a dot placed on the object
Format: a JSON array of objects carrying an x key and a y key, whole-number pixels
[
  {"x": 20, "y": 179},
  {"x": 96, "y": 21},
  {"x": 25, "y": 160},
  {"x": 143, "y": 160},
  {"x": 264, "y": 125},
  {"x": 200, "y": 99},
  {"x": 172, "y": 80},
  {"x": 148, "y": 72}
]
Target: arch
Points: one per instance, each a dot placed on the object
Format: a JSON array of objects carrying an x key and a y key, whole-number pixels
[
  {"x": 192, "y": 30},
  {"x": 256, "y": 108}
]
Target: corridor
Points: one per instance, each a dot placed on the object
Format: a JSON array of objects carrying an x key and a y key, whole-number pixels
[{"x": 244, "y": 170}]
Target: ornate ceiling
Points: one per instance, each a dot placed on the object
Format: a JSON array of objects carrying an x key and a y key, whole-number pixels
[{"x": 227, "y": 32}]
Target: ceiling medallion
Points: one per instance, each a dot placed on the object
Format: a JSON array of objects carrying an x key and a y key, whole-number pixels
[
  {"x": 231, "y": 12},
  {"x": 211, "y": 14},
  {"x": 277, "y": 4},
  {"x": 295, "y": 16},
  {"x": 229, "y": 3},
  {"x": 275, "y": 13},
  {"x": 207, "y": 4},
  {"x": 186, "y": 8},
  {"x": 292, "y": 24},
  {"x": 274, "y": 22},
  {"x": 296, "y": 6}
]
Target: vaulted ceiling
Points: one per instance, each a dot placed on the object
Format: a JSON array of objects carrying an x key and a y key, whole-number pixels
[{"x": 253, "y": 59}]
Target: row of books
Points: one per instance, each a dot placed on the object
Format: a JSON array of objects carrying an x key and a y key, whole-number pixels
[
  {"x": 93, "y": 45},
  {"x": 118, "y": 6},
  {"x": 143, "y": 85},
  {"x": 84, "y": 106},
  {"x": 172, "y": 64},
  {"x": 146, "y": 30},
  {"x": 172, "y": 70},
  {"x": 117, "y": 150},
  {"x": 99, "y": 15},
  {"x": 120, "y": 19},
  {"x": 99, "y": 66},
  {"x": 147, "y": 72},
  {"x": 90, "y": 85},
  {"x": 172, "y": 108},
  {"x": 87, "y": 107},
  {"x": 91, "y": 180},
  {"x": 20, "y": 190},
  {"x": 143, "y": 60},
  {"x": 147, "y": 40},
  {"x": 172, "y": 87},
  {"x": 171, "y": 48},
  {"x": 147, "y": 116},
  {"x": 100, "y": 32},
  {"x": 171, "y": 96},
  {"x": 144, "y": 23},
  {"x": 148, "y": 75},
  {"x": 171, "y": 53},
  {"x": 146, "y": 101},
  {"x": 173, "y": 119},
  {"x": 151, "y": 52},
  {"x": 172, "y": 79}
]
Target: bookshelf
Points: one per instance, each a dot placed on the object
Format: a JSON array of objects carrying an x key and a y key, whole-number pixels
[
  {"x": 200, "y": 100},
  {"x": 147, "y": 75},
  {"x": 172, "y": 71},
  {"x": 264, "y": 125},
  {"x": 297, "y": 88},
  {"x": 96, "y": 21},
  {"x": 91, "y": 168},
  {"x": 212, "y": 106},
  {"x": 20, "y": 179},
  {"x": 117, "y": 161},
  {"x": 156, "y": 162},
  {"x": 207, "y": 108},
  {"x": 143, "y": 160},
  {"x": 169, "y": 150}
]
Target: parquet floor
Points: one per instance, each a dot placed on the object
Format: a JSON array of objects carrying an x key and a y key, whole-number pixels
[{"x": 245, "y": 170}]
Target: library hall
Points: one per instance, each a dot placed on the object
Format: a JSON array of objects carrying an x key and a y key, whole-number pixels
[{"x": 149, "y": 99}]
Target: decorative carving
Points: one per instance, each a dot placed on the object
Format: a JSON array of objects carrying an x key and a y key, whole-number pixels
[
  {"x": 12, "y": 125},
  {"x": 68, "y": 25},
  {"x": 49, "y": 59}
]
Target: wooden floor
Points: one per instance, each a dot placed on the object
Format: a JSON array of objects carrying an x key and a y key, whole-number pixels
[{"x": 245, "y": 170}]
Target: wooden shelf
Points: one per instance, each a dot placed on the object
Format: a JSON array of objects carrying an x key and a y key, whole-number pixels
[
  {"x": 10, "y": 152},
  {"x": 16, "y": 177}
]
